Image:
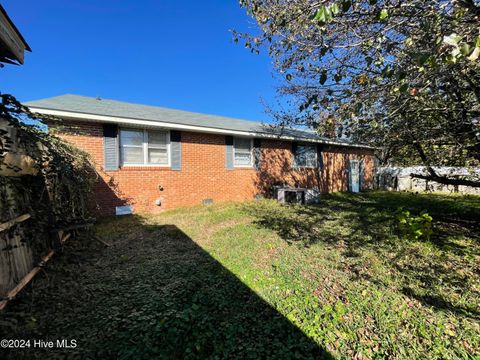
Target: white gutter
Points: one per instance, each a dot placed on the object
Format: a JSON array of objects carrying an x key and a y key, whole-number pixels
[{"x": 194, "y": 128}]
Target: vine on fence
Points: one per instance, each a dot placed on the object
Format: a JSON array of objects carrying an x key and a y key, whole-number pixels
[{"x": 57, "y": 192}]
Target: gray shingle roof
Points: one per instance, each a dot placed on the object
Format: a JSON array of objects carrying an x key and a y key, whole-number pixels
[{"x": 119, "y": 109}]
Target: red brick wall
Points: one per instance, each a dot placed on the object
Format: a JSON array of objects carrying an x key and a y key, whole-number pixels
[{"x": 203, "y": 173}]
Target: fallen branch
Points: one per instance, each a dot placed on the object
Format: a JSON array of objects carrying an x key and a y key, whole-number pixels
[
  {"x": 101, "y": 241},
  {"x": 447, "y": 181}
]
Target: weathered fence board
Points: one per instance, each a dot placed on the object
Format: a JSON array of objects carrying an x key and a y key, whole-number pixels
[
  {"x": 24, "y": 281},
  {"x": 41, "y": 179},
  {"x": 7, "y": 225},
  {"x": 16, "y": 257},
  {"x": 16, "y": 260}
]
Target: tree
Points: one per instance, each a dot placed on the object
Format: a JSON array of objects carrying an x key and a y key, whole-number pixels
[{"x": 400, "y": 74}]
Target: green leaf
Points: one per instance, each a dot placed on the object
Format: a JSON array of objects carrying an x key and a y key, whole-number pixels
[
  {"x": 383, "y": 15},
  {"x": 323, "y": 15},
  {"x": 328, "y": 14},
  {"x": 320, "y": 14},
  {"x": 403, "y": 87},
  {"x": 465, "y": 49},
  {"x": 288, "y": 77},
  {"x": 335, "y": 9}
]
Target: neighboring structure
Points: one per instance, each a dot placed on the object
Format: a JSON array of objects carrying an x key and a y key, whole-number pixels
[
  {"x": 154, "y": 158},
  {"x": 399, "y": 179},
  {"x": 12, "y": 48},
  {"x": 12, "y": 43}
]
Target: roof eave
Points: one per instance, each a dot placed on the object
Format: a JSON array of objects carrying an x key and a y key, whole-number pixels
[
  {"x": 15, "y": 29},
  {"x": 72, "y": 115}
]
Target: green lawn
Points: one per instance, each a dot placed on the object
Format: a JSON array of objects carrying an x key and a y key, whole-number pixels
[{"x": 259, "y": 280}]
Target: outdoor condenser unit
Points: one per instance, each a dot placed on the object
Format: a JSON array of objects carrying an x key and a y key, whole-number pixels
[
  {"x": 290, "y": 195},
  {"x": 293, "y": 195}
]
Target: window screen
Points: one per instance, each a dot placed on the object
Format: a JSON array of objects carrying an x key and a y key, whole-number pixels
[
  {"x": 243, "y": 151},
  {"x": 306, "y": 156},
  {"x": 142, "y": 147}
]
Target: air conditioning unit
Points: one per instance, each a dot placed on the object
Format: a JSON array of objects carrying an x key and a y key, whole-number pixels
[{"x": 292, "y": 195}]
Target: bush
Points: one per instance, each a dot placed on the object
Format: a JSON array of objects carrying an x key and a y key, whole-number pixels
[{"x": 415, "y": 227}]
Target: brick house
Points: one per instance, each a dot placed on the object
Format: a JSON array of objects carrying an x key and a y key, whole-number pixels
[{"x": 150, "y": 158}]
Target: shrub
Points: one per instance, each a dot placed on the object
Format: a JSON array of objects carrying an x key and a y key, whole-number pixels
[{"x": 415, "y": 227}]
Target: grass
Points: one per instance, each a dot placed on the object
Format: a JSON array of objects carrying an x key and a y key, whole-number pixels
[{"x": 262, "y": 280}]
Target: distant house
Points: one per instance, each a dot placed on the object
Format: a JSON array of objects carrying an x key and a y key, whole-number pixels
[
  {"x": 151, "y": 158},
  {"x": 12, "y": 43}
]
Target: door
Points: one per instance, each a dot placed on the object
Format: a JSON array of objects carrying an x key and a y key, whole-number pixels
[{"x": 354, "y": 178}]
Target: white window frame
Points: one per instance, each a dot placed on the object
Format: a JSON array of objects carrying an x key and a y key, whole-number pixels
[
  {"x": 316, "y": 157},
  {"x": 235, "y": 150},
  {"x": 144, "y": 147}
]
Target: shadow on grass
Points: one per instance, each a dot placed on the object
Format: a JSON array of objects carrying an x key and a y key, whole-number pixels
[
  {"x": 439, "y": 302},
  {"x": 153, "y": 293},
  {"x": 362, "y": 224}
]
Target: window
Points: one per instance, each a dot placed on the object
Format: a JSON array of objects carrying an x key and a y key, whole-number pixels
[
  {"x": 157, "y": 147},
  {"x": 142, "y": 147},
  {"x": 306, "y": 156},
  {"x": 132, "y": 146},
  {"x": 242, "y": 151}
]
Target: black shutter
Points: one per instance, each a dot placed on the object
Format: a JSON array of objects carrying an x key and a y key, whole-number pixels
[
  {"x": 229, "y": 152},
  {"x": 294, "y": 151},
  {"x": 110, "y": 147},
  {"x": 257, "y": 154},
  {"x": 319, "y": 158},
  {"x": 176, "y": 149}
]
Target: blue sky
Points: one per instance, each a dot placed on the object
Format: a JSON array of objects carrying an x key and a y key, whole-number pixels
[{"x": 171, "y": 53}]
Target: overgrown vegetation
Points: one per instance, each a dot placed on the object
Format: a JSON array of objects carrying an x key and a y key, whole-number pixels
[
  {"x": 56, "y": 192},
  {"x": 220, "y": 281}
]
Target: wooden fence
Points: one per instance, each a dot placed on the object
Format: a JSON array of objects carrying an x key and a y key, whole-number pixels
[
  {"x": 44, "y": 189},
  {"x": 16, "y": 258}
]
